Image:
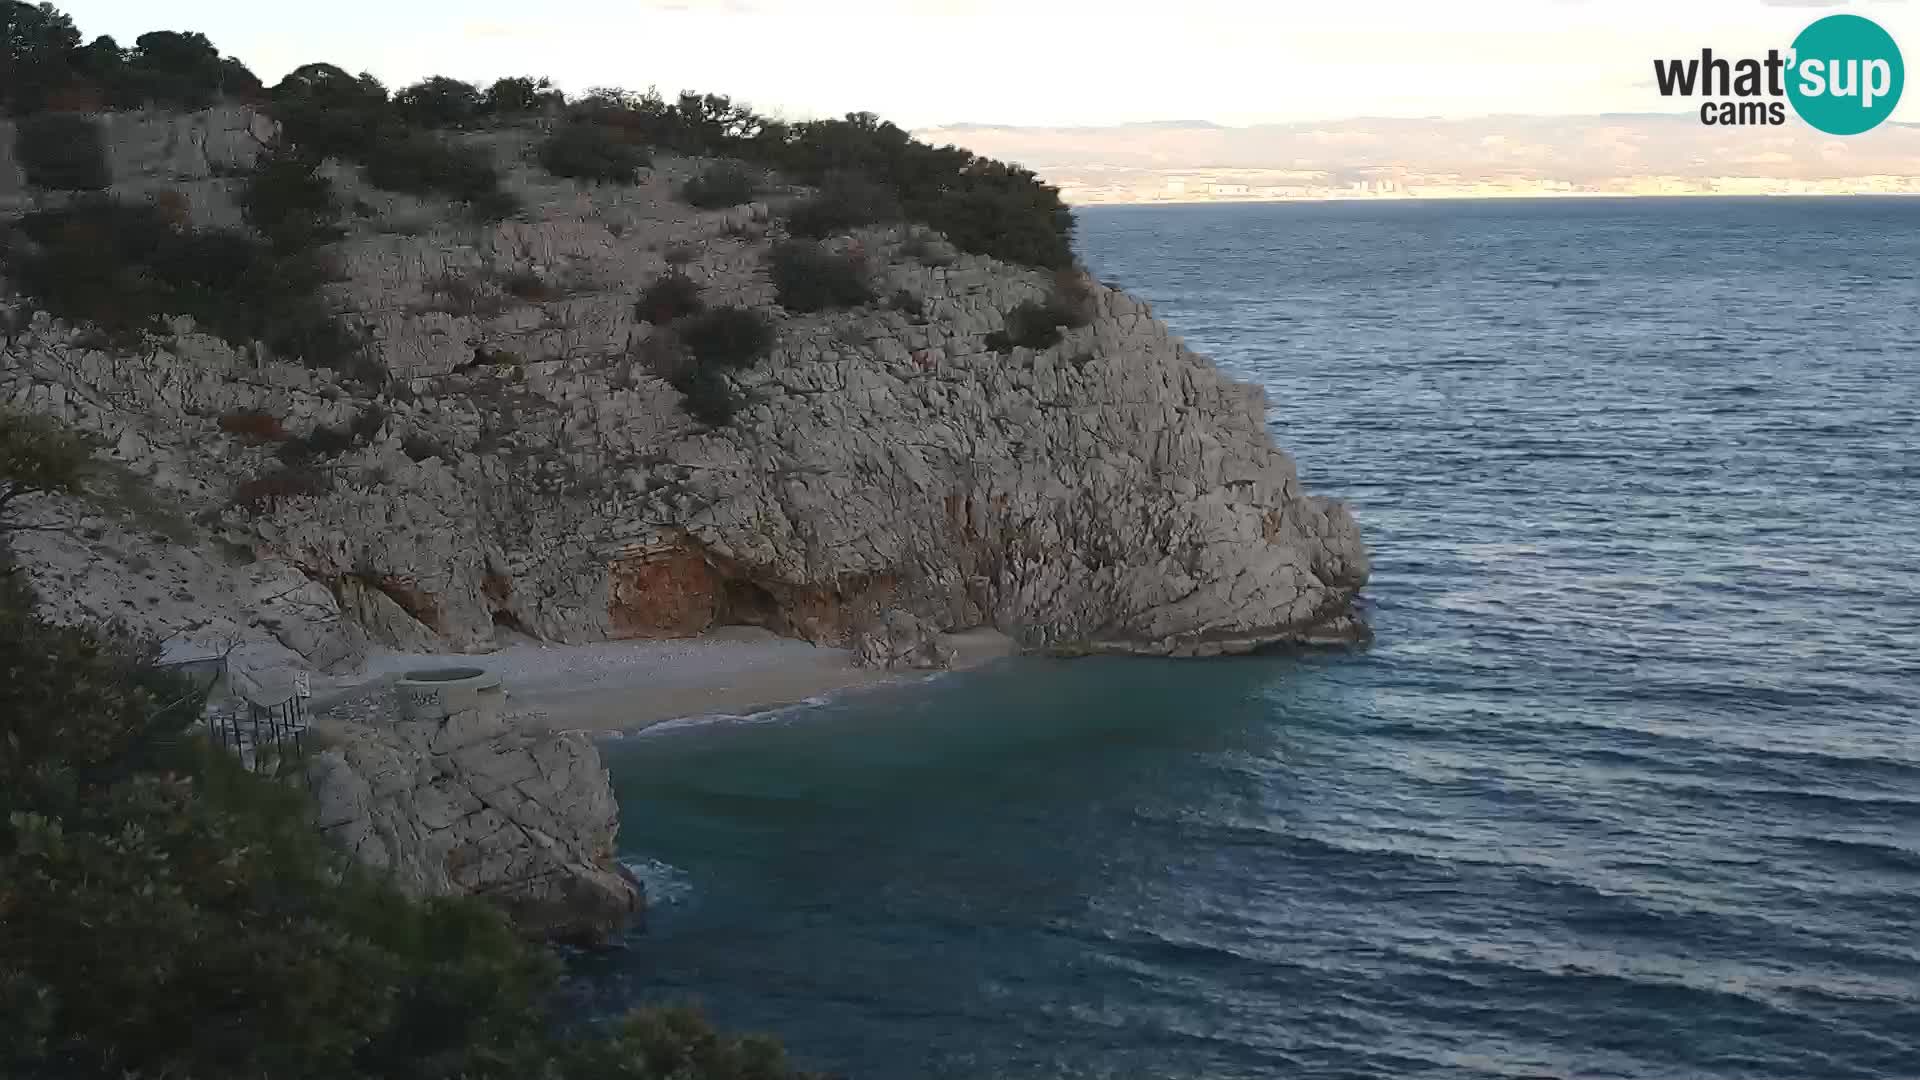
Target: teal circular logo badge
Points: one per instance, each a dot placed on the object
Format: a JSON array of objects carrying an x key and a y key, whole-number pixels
[{"x": 1847, "y": 75}]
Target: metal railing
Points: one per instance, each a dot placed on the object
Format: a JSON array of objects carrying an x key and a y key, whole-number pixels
[{"x": 260, "y": 734}]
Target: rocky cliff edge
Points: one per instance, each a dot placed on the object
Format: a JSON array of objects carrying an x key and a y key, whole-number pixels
[{"x": 527, "y": 468}]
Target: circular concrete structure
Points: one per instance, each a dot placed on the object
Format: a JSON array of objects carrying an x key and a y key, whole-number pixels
[{"x": 435, "y": 693}]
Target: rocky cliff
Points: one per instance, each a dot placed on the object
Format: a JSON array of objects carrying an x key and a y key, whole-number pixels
[
  {"x": 457, "y": 799},
  {"x": 528, "y": 468}
]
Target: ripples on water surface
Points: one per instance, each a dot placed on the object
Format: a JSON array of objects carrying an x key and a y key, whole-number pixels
[{"x": 1629, "y": 785}]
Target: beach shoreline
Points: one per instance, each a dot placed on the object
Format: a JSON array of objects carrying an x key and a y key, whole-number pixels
[{"x": 613, "y": 688}]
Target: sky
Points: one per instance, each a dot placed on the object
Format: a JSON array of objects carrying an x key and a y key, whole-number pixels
[{"x": 926, "y": 63}]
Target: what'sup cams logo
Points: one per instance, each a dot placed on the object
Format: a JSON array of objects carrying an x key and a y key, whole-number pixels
[{"x": 1843, "y": 76}]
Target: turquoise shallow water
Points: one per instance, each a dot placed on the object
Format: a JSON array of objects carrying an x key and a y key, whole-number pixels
[{"x": 1628, "y": 786}]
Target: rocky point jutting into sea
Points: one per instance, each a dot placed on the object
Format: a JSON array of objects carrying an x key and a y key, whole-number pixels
[{"x": 525, "y": 466}]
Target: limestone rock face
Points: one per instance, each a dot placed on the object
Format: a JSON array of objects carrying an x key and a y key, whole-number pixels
[
  {"x": 900, "y": 639},
  {"x": 194, "y": 157},
  {"x": 1114, "y": 492},
  {"x": 462, "y": 804}
]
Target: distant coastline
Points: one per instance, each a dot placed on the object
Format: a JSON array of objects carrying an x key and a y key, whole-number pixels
[
  {"x": 1516, "y": 196},
  {"x": 1493, "y": 157}
]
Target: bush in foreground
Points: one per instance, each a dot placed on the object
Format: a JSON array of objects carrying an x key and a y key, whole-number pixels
[
  {"x": 166, "y": 913},
  {"x": 845, "y": 201},
  {"x": 1032, "y": 325},
  {"x": 1036, "y": 325},
  {"x": 424, "y": 165},
  {"x": 808, "y": 278},
  {"x": 670, "y": 297},
  {"x": 705, "y": 347},
  {"x": 62, "y": 151},
  {"x": 583, "y": 151},
  {"x": 727, "y": 338},
  {"x": 721, "y": 186},
  {"x": 287, "y": 201},
  {"x": 710, "y": 399}
]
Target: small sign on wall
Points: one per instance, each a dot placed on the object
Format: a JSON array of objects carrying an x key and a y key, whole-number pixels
[{"x": 302, "y": 684}]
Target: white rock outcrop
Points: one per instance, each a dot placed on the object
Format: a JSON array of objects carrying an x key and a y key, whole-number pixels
[
  {"x": 1114, "y": 492},
  {"x": 901, "y": 639},
  {"x": 458, "y": 801}
]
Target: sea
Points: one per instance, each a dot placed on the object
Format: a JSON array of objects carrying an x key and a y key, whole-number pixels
[{"x": 1628, "y": 785}]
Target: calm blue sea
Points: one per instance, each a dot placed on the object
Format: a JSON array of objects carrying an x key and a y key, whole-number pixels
[{"x": 1629, "y": 785}]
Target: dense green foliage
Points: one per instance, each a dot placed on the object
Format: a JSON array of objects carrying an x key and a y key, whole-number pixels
[
  {"x": 983, "y": 206},
  {"x": 165, "y": 912},
  {"x": 709, "y": 345},
  {"x": 670, "y": 297},
  {"x": 1037, "y": 325},
  {"x": 427, "y": 165},
  {"x": 126, "y": 267},
  {"x": 439, "y": 102},
  {"x": 287, "y": 201},
  {"x": 807, "y": 278},
  {"x": 328, "y": 113},
  {"x": 62, "y": 151},
  {"x": 1034, "y": 325},
  {"x": 518, "y": 94},
  {"x": 727, "y": 338},
  {"x": 325, "y": 112},
  {"x": 710, "y": 398},
  {"x": 1030, "y": 325},
  {"x": 845, "y": 201},
  {"x": 44, "y": 66},
  {"x": 38, "y": 457},
  {"x": 720, "y": 186},
  {"x": 589, "y": 151}
]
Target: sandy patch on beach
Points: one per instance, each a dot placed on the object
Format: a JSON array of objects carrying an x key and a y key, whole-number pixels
[{"x": 623, "y": 685}]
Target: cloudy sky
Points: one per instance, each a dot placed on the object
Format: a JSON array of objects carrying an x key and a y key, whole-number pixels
[{"x": 923, "y": 63}]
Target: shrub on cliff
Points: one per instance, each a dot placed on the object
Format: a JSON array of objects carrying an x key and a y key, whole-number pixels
[
  {"x": 39, "y": 457},
  {"x": 62, "y": 151},
  {"x": 46, "y": 66},
  {"x": 257, "y": 425},
  {"x": 517, "y": 94},
  {"x": 326, "y": 112},
  {"x": 438, "y": 102},
  {"x": 294, "y": 481},
  {"x": 180, "y": 70},
  {"x": 710, "y": 399},
  {"x": 1005, "y": 213},
  {"x": 1036, "y": 325},
  {"x": 709, "y": 345},
  {"x": 984, "y": 206},
  {"x": 726, "y": 338},
  {"x": 425, "y": 165},
  {"x": 670, "y": 297},
  {"x": 287, "y": 201},
  {"x": 1032, "y": 325},
  {"x": 845, "y": 201},
  {"x": 125, "y": 267},
  {"x": 808, "y": 278},
  {"x": 321, "y": 442},
  {"x": 584, "y": 151},
  {"x": 721, "y": 186},
  {"x": 36, "y": 41}
]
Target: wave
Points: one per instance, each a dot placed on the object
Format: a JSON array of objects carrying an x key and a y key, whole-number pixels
[{"x": 662, "y": 883}]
